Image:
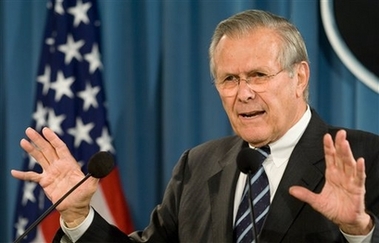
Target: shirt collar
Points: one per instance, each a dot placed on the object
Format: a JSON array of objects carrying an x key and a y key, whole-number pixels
[{"x": 282, "y": 148}]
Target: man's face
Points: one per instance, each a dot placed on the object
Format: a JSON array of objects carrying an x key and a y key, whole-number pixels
[{"x": 263, "y": 115}]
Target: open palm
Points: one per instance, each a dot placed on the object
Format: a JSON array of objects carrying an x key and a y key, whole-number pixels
[
  {"x": 60, "y": 172},
  {"x": 342, "y": 197}
]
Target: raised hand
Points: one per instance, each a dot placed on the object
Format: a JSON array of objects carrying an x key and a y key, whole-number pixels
[
  {"x": 60, "y": 173},
  {"x": 342, "y": 197}
]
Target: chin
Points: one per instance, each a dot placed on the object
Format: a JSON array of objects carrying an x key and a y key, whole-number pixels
[{"x": 254, "y": 137}]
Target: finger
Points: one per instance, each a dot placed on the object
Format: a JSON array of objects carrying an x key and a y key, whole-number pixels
[
  {"x": 342, "y": 145},
  {"x": 303, "y": 194},
  {"x": 44, "y": 146},
  {"x": 60, "y": 148},
  {"x": 344, "y": 155},
  {"x": 33, "y": 151},
  {"x": 26, "y": 176},
  {"x": 329, "y": 152},
  {"x": 361, "y": 172}
]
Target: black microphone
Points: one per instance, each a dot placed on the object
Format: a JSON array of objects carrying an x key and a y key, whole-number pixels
[
  {"x": 99, "y": 166},
  {"x": 248, "y": 162}
]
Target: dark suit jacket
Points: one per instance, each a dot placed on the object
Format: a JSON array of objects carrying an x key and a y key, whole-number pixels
[{"x": 198, "y": 202}]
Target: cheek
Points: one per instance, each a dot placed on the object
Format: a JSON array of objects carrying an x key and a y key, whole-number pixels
[
  {"x": 285, "y": 93},
  {"x": 284, "y": 106},
  {"x": 229, "y": 107},
  {"x": 228, "y": 104},
  {"x": 280, "y": 103}
]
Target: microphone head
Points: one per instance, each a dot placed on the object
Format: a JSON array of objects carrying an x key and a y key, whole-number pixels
[
  {"x": 249, "y": 160},
  {"x": 100, "y": 164}
]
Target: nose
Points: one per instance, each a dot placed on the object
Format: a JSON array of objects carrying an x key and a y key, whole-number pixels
[{"x": 244, "y": 92}]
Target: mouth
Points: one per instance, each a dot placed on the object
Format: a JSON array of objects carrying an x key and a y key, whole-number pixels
[{"x": 251, "y": 114}]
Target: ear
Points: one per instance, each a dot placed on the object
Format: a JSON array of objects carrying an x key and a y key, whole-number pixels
[{"x": 302, "y": 73}]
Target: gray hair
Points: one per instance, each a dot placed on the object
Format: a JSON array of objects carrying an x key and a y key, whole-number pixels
[{"x": 293, "y": 47}]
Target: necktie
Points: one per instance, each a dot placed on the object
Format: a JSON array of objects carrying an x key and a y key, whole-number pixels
[{"x": 261, "y": 202}]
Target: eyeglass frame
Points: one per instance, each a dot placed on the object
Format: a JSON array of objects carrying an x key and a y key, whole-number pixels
[{"x": 237, "y": 80}]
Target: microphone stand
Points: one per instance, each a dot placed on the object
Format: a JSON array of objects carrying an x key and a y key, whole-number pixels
[
  {"x": 51, "y": 208},
  {"x": 252, "y": 216}
]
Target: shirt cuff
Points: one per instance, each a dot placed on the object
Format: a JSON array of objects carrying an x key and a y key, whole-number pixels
[
  {"x": 359, "y": 238},
  {"x": 75, "y": 233}
]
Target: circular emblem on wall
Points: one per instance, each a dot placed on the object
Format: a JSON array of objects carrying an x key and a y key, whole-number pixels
[{"x": 352, "y": 28}]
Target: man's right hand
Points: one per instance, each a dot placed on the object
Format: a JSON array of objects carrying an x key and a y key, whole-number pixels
[{"x": 60, "y": 173}]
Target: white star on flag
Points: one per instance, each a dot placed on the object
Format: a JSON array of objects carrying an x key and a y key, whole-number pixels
[
  {"x": 89, "y": 96},
  {"x": 71, "y": 49},
  {"x": 105, "y": 141},
  {"x": 20, "y": 225},
  {"x": 81, "y": 132},
  {"x": 62, "y": 86},
  {"x": 45, "y": 79},
  {"x": 28, "y": 192},
  {"x": 55, "y": 122},
  {"x": 80, "y": 12},
  {"x": 40, "y": 115},
  {"x": 94, "y": 59},
  {"x": 58, "y": 7}
]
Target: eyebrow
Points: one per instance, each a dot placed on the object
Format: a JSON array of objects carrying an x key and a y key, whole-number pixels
[{"x": 252, "y": 71}]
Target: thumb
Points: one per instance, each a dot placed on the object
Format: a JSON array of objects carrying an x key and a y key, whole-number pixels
[{"x": 302, "y": 194}]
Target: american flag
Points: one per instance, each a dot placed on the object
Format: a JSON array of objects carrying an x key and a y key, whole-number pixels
[{"x": 70, "y": 100}]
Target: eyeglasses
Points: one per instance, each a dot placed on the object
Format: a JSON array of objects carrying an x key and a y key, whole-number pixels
[{"x": 256, "y": 81}]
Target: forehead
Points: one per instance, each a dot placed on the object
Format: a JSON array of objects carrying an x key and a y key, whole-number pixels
[{"x": 242, "y": 53}]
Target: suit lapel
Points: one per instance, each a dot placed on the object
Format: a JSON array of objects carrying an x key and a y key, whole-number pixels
[
  {"x": 221, "y": 185},
  {"x": 305, "y": 168}
]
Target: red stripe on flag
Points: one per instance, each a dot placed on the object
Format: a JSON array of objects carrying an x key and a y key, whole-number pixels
[
  {"x": 50, "y": 225},
  {"x": 116, "y": 202}
]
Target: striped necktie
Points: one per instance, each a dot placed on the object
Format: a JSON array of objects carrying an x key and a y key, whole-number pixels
[{"x": 243, "y": 231}]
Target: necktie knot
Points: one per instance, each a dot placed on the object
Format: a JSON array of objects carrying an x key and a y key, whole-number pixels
[{"x": 265, "y": 151}]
